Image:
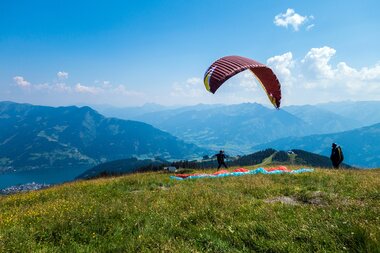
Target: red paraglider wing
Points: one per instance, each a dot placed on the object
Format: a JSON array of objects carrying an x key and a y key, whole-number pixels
[{"x": 226, "y": 67}]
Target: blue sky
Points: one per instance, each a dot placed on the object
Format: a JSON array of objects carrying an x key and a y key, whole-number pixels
[{"x": 126, "y": 53}]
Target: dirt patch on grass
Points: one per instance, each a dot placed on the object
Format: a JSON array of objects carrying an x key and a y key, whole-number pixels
[
  {"x": 284, "y": 200},
  {"x": 314, "y": 198},
  {"x": 164, "y": 187},
  {"x": 353, "y": 202}
]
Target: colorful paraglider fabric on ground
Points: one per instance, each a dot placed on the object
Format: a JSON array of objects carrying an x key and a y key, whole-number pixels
[
  {"x": 226, "y": 67},
  {"x": 241, "y": 172}
]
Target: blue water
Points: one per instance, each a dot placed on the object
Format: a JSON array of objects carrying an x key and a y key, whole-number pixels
[{"x": 47, "y": 176}]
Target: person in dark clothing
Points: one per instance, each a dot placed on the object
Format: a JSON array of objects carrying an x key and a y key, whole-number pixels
[
  {"x": 336, "y": 155},
  {"x": 220, "y": 158}
]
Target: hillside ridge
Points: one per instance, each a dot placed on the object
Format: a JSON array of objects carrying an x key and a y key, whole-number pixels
[{"x": 268, "y": 157}]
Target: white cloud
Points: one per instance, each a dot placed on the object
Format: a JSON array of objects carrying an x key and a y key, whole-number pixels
[
  {"x": 87, "y": 89},
  {"x": 61, "y": 87},
  {"x": 282, "y": 64},
  {"x": 315, "y": 79},
  {"x": 309, "y": 27},
  {"x": 123, "y": 91},
  {"x": 370, "y": 74},
  {"x": 58, "y": 91},
  {"x": 192, "y": 88},
  {"x": 317, "y": 61},
  {"x": 188, "y": 89},
  {"x": 291, "y": 18},
  {"x": 21, "y": 82},
  {"x": 62, "y": 75},
  {"x": 106, "y": 84},
  {"x": 42, "y": 86},
  {"x": 248, "y": 82},
  {"x": 194, "y": 81}
]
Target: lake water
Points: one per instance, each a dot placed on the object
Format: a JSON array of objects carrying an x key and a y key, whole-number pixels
[{"x": 47, "y": 176}]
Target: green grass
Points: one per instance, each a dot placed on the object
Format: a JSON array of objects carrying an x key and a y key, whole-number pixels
[{"x": 335, "y": 211}]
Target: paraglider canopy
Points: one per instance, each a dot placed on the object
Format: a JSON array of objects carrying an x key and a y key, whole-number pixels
[{"x": 226, "y": 67}]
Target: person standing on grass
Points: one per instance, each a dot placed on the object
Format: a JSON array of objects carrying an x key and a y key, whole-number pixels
[
  {"x": 220, "y": 158},
  {"x": 336, "y": 156}
]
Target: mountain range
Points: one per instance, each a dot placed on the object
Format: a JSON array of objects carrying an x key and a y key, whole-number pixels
[
  {"x": 248, "y": 127},
  {"x": 55, "y": 137},
  {"x": 354, "y": 113},
  {"x": 41, "y": 136},
  {"x": 365, "y": 112},
  {"x": 233, "y": 127}
]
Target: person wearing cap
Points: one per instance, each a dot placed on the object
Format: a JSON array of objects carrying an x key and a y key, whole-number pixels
[{"x": 336, "y": 156}]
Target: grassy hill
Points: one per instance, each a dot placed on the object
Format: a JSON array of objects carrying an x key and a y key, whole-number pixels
[{"x": 323, "y": 211}]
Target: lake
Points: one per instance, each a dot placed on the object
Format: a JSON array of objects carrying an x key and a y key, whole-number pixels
[{"x": 47, "y": 176}]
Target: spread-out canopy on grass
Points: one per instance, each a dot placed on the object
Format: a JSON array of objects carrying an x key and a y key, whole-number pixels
[
  {"x": 241, "y": 172},
  {"x": 226, "y": 67}
]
